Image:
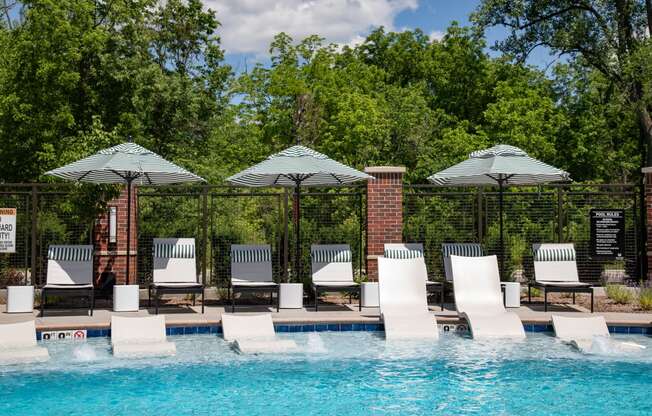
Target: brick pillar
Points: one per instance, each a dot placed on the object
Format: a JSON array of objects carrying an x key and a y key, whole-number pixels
[
  {"x": 648, "y": 215},
  {"x": 112, "y": 257},
  {"x": 384, "y": 212}
]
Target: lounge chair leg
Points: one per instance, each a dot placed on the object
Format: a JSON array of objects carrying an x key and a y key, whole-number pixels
[
  {"x": 316, "y": 299},
  {"x": 149, "y": 297},
  {"x": 271, "y": 298},
  {"x": 232, "y": 301},
  {"x": 591, "y": 300},
  {"x": 545, "y": 299},
  {"x": 43, "y": 298},
  {"x": 202, "y": 301},
  {"x": 350, "y": 298},
  {"x": 157, "y": 299},
  {"x": 573, "y": 298},
  {"x": 278, "y": 300},
  {"x": 360, "y": 298},
  {"x": 92, "y": 301},
  {"x": 529, "y": 293},
  {"x": 194, "y": 299},
  {"x": 441, "y": 298}
]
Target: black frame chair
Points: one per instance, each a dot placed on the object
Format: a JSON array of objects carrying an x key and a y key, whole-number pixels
[
  {"x": 84, "y": 292},
  {"x": 160, "y": 290},
  {"x": 317, "y": 289},
  {"x": 255, "y": 289}
]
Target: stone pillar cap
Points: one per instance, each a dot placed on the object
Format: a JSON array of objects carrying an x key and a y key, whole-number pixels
[{"x": 386, "y": 169}]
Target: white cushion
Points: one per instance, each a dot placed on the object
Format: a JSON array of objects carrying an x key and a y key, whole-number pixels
[
  {"x": 247, "y": 283},
  {"x": 331, "y": 263},
  {"x": 143, "y": 349},
  {"x": 336, "y": 284},
  {"x": 252, "y": 263},
  {"x": 555, "y": 263},
  {"x": 55, "y": 286},
  {"x": 176, "y": 284},
  {"x": 478, "y": 298},
  {"x": 174, "y": 269},
  {"x": 263, "y": 346},
  {"x": 23, "y": 355},
  {"x": 562, "y": 284}
]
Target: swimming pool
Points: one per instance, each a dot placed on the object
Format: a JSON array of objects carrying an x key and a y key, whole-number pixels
[{"x": 344, "y": 373}]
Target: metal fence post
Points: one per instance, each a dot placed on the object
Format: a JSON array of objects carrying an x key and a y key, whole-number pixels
[
  {"x": 480, "y": 222},
  {"x": 286, "y": 247},
  {"x": 560, "y": 219},
  {"x": 204, "y": 237},
  {"x": 34, "y": 273}
]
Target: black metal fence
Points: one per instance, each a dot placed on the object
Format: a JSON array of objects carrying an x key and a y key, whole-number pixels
[
  {"x": 219, "y": 216},
  {"x": 558, "y": 213}
]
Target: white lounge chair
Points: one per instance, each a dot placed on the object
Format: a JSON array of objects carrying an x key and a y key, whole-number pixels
[
  {"x": 18, "y": 344},
  {"x": 251, "y": 271},
  {"x": 403, "y": 299},
  {"x": 254, "y": 334},
  {"x": 585, "y": 332},
  {"x": 69, "y": 273},
  {"x": 478, "y": 298},
  {"x": 555, "y": 270},
  {"x": 414, "y": 250},
  {"x": 135, "y": 337},
  {"x": 332, "y": 271},
  {"x": 175, "y": 270},
  {"x": 458, "y": 249}
]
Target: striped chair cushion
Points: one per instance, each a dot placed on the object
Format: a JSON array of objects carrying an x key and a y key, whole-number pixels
[
  {"x": 70, "y": 253},
  {"x": 560, "y": 253},
  {"x": 174, "y": 251},
  {"x": 395, "y": 253},
  {"x": 251, "y": 255},
  {"x": 331, "y": 256},
  {"x": 462, "y": 249}
]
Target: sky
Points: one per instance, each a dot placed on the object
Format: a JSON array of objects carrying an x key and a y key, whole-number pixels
[{"x": 248, "y": 26}]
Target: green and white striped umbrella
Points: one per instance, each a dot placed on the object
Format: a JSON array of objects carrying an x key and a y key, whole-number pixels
[
  {"x": 501, "y": 164},
  {"x": 126, "y": 162},
  {"x": 297, "y": 165}
]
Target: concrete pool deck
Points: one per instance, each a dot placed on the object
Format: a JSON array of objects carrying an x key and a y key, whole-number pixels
[{"x": 182, "y": 315}]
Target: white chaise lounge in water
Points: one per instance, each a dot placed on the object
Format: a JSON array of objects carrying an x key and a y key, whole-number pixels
[
  {"x": 479, "y": 300},
  {"x": 403, "y": 299},
  {"x": 410, "y": 251},
  {"x": 332, "y": 271},
  {"x": 254, "y": 334},
  {"x": 70, "y": 273},
  {"x": 589, "y": 334},
  {"x": 18, "y": 344},
  {"x": 175, "y": 270},
  {"x": 555, "y": 270},
  {"x": 135, "y": 337},
  {"x": 251, "y": 271}
]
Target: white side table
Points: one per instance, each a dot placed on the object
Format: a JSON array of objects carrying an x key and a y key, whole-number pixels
[
  {"x": 512, "y": 294},
  {"x": 20, "y": 299},
  {"x": 369, "y": 294},
  {"x": 291, "y": 295},
  {"x": 126, "y": 298}
]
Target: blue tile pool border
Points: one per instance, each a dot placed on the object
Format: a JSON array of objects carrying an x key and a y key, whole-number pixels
[{"x": 341, "y": 327}]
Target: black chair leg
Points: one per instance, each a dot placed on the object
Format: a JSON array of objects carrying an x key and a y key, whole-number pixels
[
  {"x": 545, "y": 299},
  {"x": 529, "y": 293},
  {"x": 591, "y": 300},
  {"x": 43, "y": 299},
  {"x": 149, "y": 297},
  {"x": 202, "y": 301},
  {"x": 573, "y": 298},
  {"x": 157, "y": 299},
  {"x": 441, "y": 298},
  {"x": 232, "y": 301},
  {"x": 360, "y": 298},
  {"x": 92, "y": 301},
  {"x": 316, "y": 299},
  {"x": 194, "y": 300},
  {"x": 278, "y": 300}
]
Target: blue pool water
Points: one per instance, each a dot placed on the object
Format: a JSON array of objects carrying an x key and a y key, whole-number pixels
[{"x": 334, "y": 374}]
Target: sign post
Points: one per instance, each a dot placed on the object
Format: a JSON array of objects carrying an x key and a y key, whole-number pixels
[
  {"x": 7, "y": 230},
  {"x": 607, "y": 233}
]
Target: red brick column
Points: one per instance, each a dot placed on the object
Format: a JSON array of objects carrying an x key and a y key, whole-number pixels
[
  {"x": 648, "y": 208},
  {"x": 112, "y": 257},
  {"x": 384, "y": 213}
]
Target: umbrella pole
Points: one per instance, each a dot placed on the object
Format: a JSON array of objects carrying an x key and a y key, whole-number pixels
[
  {"x": 502, "y": 236},
  {"x": 128, "y": 228},
  {"x": 297, "y": 248}
]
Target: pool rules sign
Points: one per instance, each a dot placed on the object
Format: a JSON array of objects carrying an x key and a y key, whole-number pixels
[
  {"x": 607, "y": 233},
  {"x": 7, "y": 230}
]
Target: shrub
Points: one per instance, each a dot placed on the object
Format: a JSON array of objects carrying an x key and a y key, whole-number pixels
[
  {"x": 619, "y": 294},
  {"x": 645, "y": 299}
]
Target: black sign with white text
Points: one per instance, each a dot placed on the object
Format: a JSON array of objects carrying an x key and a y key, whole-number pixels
[{"x": 607, "y": 233}]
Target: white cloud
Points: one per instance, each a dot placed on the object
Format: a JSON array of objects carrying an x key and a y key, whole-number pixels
[
  {"x": 248, "y": 26},
  {"x": 436, "y": 35}
]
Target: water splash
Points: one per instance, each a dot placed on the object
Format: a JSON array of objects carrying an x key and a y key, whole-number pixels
[
  {"x": 608, "y": 346},
  {"x": 84, "y": 352},
  {"x": 316, "y": 344}
]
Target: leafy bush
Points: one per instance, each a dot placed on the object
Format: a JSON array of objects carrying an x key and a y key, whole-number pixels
[
  {"x": 645, "y": 299},
  {"x": 619, "y": 294}
]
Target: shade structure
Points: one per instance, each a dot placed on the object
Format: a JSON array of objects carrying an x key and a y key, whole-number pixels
[
  {"x": 500, "y": 165},
  {"x": 126, "y": 163},
  {"x": 295, "y": 167}
]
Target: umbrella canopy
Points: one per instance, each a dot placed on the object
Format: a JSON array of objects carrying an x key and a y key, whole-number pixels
[
  {"x": 297, "y": 165},
  {"x": 500, "y": 165},
  {"x": 125, "y": 163}
]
